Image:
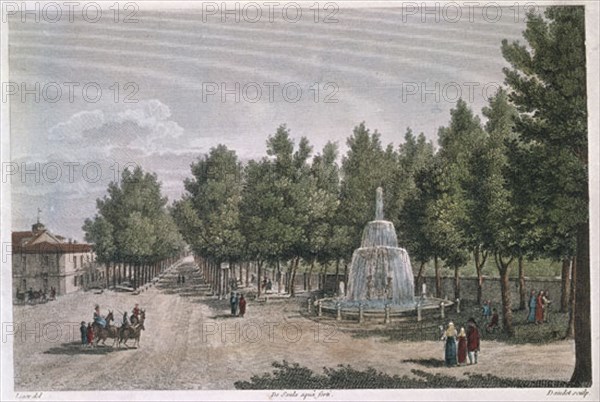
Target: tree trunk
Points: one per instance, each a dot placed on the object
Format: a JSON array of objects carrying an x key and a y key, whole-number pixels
[
  {"x": 456, "y": 283},
  {"x": 337, "y": 277},
  {"x": 107, "y": 275},
  {"x": 479, "y": 263},
  {"x": 571, "y": 308},
  {"x": 565, "y": 285},
  {"x": 418, "y": 282},
  {"x": 259, "y": 274},
  {"x": 582, "y": 375},
  {"x": 522, "y": 289},
  {"x": 310, "y": 272},
  {"x": 247, "y": 273},
  {"x": 438, "y": 278},
  {"x": 293, "y": 278},
  {"x": 114, "y": 278},
  {"x": 504, "y": 270},
  {"x": 345, "y": 278}
]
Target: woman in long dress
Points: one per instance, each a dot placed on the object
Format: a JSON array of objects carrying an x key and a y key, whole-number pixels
[
  {"x": 462, "y": 347},
  {"x": 539, "y": 308},
  {"x": 532, "y": 306},
  {"x": 450, "y": 349}
]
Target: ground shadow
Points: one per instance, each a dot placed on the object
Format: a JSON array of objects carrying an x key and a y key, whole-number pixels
[
  {"x": 75, "y": 348},
  {"x": 434, "y": 363}
]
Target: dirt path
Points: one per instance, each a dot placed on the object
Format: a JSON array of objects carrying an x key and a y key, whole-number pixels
[{"x": 191, "y": 342}]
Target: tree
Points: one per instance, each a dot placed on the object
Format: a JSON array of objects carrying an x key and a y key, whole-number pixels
[
  {"x": 365, "y": 167},
  {"x": 131, "y": 225},
  {"x": 457, "y": 144},
  {"x": 548, "y": 83}
]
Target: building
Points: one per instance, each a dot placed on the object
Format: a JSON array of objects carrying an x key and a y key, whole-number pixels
[{"x": 41, "y": 260}]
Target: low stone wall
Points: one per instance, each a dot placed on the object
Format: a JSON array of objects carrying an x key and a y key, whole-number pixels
[{"x": 491, "y": 288}]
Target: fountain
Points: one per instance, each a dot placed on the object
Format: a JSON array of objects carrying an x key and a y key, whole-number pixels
[
  {"x": 380, "y": 277},
  {"x": 380, "y": 272}
]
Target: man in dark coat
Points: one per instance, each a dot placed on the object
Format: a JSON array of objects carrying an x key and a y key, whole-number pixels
[
  {"x": 83, "y": 330},
  {"x": 473, "y": 341}
]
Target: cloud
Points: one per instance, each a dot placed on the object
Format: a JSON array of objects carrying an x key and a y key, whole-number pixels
[{"x": 145, "y": 125}]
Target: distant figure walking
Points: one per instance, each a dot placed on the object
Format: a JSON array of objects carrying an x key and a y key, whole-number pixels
[
  {"x": 473, "y": 341},
  {"x": 532, "y": 306},
  {"x": 233, "y": 303},
  {"x": 83, "y": 330},
  {"x": 546, "y": 303},
  {"x": 450, "y": 347},
  {"x": 462, "y": 347},
  {"x": 491, "y": 327},
  {"x": 242, "y": 305},
  {"x": 539, "y": 308}
]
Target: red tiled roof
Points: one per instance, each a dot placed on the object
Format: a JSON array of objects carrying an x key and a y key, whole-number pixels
[{"x": 21, "y": 240}]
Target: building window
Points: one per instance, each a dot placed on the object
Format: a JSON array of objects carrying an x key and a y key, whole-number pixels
[
  {"x": 75, "y": 261},
  {"x": 24, "y": 263},
  {"x": 75, "y": 280}
]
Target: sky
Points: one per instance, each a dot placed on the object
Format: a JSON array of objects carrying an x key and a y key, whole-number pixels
[{"x": 159, "y": 89}]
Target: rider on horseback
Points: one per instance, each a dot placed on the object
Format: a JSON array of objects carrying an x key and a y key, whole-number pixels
[
  {"x": 135, "y": 317},
  {"x": 98, "y": 318},
  {"x": 124, "y": 325}
]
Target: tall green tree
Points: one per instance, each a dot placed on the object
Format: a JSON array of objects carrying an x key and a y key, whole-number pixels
[{"x": 547, "y": 78}]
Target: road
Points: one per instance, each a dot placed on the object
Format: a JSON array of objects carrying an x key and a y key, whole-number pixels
[{"x": 190, "y": 342}]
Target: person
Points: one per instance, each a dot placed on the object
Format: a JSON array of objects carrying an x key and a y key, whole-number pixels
[
  {"x": 98, "y": 318},
  {"x": 489, "y": 311},
  {"x": 30, "y": 294},
  {"x": 236, "y": 303},
  {"x": 269, "y": 285},
  {"x": 183, "y": 279},
  {"x": 242, "y": 305},
  {"x": 124, "y": 324},
  {"x": 52, "y": 293},
  {"x": 450, "y": 347},
  {"x": 539, "y": 308},
  {"x": 491, "y": 327},
  {"x": 178, "y": 279},
  {"x": 462, "y": 347},
  {"x": 546, "y": 306},
  {"x": 473, "y": 341},
  {"x": 232, "y": 303},
  {"x": 532, "y": 305},
  {"x": 90, "y": 335},
  {"x": 83, "y": 330},
  {"x": 264, "y": 283},
  {"x": 135, "y": 314}
]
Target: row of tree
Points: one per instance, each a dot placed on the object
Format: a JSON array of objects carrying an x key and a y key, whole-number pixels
[{"x": 133, "y": 232}]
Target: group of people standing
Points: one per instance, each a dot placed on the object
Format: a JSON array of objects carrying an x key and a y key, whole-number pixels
[
  {"x": 539, "y": 307},
  {"x": 237, "y": 304},
  {"x": 180, "y": 279},
  {"x": 460, "y": 345},
  {"x": 490, "y": 316}
]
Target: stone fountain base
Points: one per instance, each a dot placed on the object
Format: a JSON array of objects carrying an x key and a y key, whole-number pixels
[{"x": 377, "y": 310}]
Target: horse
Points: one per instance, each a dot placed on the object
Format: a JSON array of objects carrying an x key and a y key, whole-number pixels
[
  {"x": 133, "y": 331},
  {"x": 110, "y": 331}
]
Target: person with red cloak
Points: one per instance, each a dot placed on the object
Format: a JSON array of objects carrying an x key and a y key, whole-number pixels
[
  {"x": 90, "y": 335},
  {"x": 473, "y": 341},
  {"x": 462, "y": 347},
  {"x": 242, "y": 306},
  {"x": 539, "y": 308}
]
